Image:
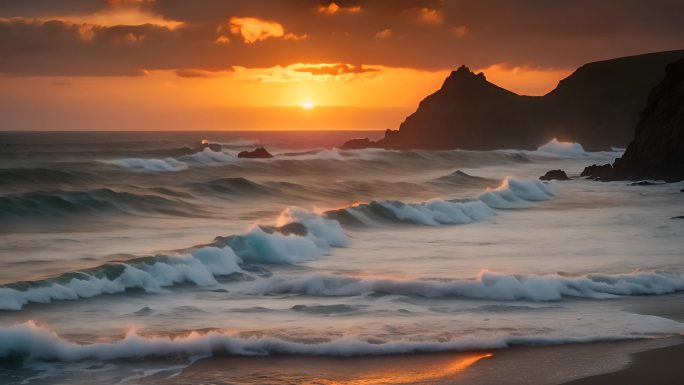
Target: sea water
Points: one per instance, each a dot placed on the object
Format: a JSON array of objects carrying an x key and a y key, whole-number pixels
[{"x": 124, "y": 255}]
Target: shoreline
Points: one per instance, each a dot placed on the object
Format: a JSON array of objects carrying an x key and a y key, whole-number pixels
[
  {"x": 522, "y": 365},
  {"x": 660, "y": 366},
  {"x": 644, "y": 361}
]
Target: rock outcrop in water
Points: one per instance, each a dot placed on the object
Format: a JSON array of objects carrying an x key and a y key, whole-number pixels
[
  {"x": 257, "y": 153},
  {"x": 657, "y": 151},
  {"x": 554, "y": 175},
  {"x": 598, "y": 106}
]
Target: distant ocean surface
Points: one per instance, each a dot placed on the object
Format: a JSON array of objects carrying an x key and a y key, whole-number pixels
[{"x": 125, "y": 255}]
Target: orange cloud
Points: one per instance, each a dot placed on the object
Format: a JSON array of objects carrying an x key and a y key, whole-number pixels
[
  {"x": 253, "y": 29},
  {"x": 430, "y": 16},
  {"x": 333, "y": 8},
  {"x": 198, "y": 73},
  {"x": 222, "y": 39},
  {"x": 335, "y": 69},
  {"x": 118, "y": 16},
  {"x": 459, "y": 31},
  {"x": 384, "y": 34}
]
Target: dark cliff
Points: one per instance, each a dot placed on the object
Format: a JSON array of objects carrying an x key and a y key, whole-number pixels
[
  {"x": 598, "y": 106},
  {"x": 657, "y": 151}
]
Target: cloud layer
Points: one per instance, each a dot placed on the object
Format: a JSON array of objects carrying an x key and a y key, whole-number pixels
[{"x": 102, "y": 38}]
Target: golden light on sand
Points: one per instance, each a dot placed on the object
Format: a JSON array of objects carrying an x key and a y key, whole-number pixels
[
  {"x": 308, "y": 105},
  {"x": 411, "y": 375}
]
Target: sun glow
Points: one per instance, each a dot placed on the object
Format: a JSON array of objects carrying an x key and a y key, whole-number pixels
[{"x": 308, "y": 105}]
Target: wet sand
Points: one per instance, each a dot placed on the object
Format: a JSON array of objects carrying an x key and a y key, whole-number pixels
[{"x": 653, "y": 367}]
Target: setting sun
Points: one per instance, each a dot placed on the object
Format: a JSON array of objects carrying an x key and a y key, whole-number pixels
[{"x": 308, "y": 105}]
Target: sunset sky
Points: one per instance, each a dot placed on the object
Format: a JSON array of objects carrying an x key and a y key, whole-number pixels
[{"x": 220, "y": 65}]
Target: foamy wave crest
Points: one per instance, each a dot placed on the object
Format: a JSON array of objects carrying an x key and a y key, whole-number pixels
[
  {"x": 435, "y": 212},
  {"x": 150, "y": 165},
  {"x": 511, "y": 194},
  {"x": 515, "y": 193},
  {"x": 200, "y": 267},
  {"x": 211, "y": 158},
  {"x": 488, "y": 285},
  {"x": 260, "y": 246},
  {"x": 27, "y": 340},
  {"x": 327, "y": 232},
  {"x": 151, "y": 274},
  {"x": 565, "y": 149},
  {"x": 204, "y": 157}
]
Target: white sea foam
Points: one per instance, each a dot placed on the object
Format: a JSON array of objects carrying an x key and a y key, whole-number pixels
[
  {"x": 150, "y": 165},
  {"x": 41, "y": 344},
  {"x": 153, "y": 275},
  {"x": 512, "y": 193},
  {"x": 487, "y": 285},
  {"x": 204, "y": 157},
  {"x": 438, "y": 212},
  {"x": 328, "y": 231},
  {"x": 211, "y": 158},
  {"x": 515, "y": 193},
  {"x": 261, "y": 247},
  {"x": 564, "y": 149}
]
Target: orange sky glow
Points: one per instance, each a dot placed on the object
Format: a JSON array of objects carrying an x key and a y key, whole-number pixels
[{"x": 354, "y": 65}]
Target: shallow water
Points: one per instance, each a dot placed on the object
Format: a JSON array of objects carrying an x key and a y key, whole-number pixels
[{"x": 110, "y": 241}]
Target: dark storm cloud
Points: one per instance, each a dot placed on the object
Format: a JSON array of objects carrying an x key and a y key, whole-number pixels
[{"x": 428, "y": 34}]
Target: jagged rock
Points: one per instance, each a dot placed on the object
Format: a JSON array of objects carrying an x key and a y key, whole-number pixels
[
  {"x": 657, "y": 151},
  {"x": 356, "y": 144},
  {"x": 597, "y": 106},
  {"x": 554, "y": 174},
  {"x": 256, "y": 153},
  {"x": 599, "y": 172}
]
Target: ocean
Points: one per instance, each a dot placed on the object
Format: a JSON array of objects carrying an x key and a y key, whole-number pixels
[{"x": 129, "y": 257}]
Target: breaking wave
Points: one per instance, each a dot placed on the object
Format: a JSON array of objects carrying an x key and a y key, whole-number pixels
[
  {"x": 565, "y": 149},
  {"x": 511, "y": 194},
  {"x": 29, "y": 341},
  {"x": 200, "y": 266},
  {"x": 487, "y": 285},
  {"x": 299, "y": 235},
  {"x": 204, "y": 157},
  {"x": 151, "y": 274},
  {"x": 150, "y": 165}
]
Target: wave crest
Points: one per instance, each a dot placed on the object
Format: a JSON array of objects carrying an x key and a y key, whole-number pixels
[
  {"x": 27, "y": 340},
  {"x": 488, "y": 285}
]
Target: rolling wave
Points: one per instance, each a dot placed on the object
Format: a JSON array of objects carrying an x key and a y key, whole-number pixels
[
  {"x": 63, "y": 204},
  {"x": 151, "y": 274},
  {"x": 564, "y": 149},
  {"x": 200, "y": 266},
  {"x": 511, "y": 194},
  {"x": 236, "y": 186},
  {"x": 29, "y": 341},
  {"x": 488, "y": 285},
  {"x": 299, "y": 236},
  {"x": 41, "y": 177}
]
